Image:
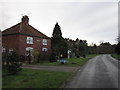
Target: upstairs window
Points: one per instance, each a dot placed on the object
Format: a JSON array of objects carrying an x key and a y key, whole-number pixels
[
  {"x": 44, "y": 42},
  {"x": 29, "y": 40}
]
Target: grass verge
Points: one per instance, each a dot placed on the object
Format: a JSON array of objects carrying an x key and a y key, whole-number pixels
[
  {"x": 77, "y": 61},
  {"x": 28, "y": 78},
  {"x": 117, "y": 56}
]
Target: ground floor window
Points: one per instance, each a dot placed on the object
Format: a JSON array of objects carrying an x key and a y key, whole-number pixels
[
  {"x": 11, "y": 50},
  {"x": 3, "y": 49},
  {"x": 28, "y": 51},
  {"x": 44, "y": 49}
]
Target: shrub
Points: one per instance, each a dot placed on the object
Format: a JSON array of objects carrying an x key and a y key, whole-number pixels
[
  {"x": 35, "y": 56},
  {"x": 13, "y": 64},
  {"x": 53, "y": 58},
  {"x": 44, "y": 57}
]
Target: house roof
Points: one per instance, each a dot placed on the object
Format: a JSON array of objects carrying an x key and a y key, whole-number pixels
[{"x": 24, "y": 29}]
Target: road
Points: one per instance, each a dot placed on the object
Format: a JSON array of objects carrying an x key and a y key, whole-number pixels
[{"x": 99, "y": 72}]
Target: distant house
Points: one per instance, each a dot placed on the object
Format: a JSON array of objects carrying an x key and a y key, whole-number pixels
[{"x": 22, "y": 38}]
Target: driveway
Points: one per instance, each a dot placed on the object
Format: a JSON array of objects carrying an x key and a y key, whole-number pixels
[
  {"x": 52, "y": 68},
  {"x": 99, "y": 72}
]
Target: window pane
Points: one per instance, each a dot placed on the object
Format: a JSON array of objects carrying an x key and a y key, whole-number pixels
[
  {"x": 10, "y": 50},
  {"x": 3, "y": 50},
  {"x": 44, "y": 49},
  {"x": 44, "y": 42},
  {"x": 29, "y": 40},
  {"x": 28, "y": 50}
]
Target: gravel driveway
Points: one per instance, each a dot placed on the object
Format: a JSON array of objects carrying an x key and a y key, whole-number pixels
[{"x": 52, "y": 68}]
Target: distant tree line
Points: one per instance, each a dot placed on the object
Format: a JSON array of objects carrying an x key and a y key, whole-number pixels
[
  {"x": 103, "y": 48},
  {"x": 77, "y": 47}
]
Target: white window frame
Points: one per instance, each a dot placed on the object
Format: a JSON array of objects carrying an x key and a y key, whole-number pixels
[
  {"x": 44, "y": 49},
  {"x": 3, "y": 49},
  {"x": 28, "y": 49},
  {"x": 44, "y": 41},
  {"x": 10, "y": 50},
  {"x": 29, "y": 40}
]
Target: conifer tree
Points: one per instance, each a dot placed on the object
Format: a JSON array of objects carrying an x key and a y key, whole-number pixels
[
  {"x": 57, "y": 31},
  {"x": 59, "y": 45}
]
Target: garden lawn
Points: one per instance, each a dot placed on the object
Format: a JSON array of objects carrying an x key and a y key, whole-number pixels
[
  {"x": 117, "y": 56},
  {"x": 28, "y": 78},
  {"x": 78, "y": 61}
]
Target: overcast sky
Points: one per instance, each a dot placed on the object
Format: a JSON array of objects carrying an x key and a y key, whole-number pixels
[{"x": 88, "y": 20}]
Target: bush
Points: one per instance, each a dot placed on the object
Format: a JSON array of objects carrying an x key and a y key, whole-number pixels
[
  {"x": 53, "y": 58},
  {"x": 84, "y": 56},
  {"x": 44, "y": 57},
  {"x": 4, "y": 57},
  {"x": 35, "y": 56},
  {"x": 13, "y": 64},
  {"x": 38, "y": 57}
]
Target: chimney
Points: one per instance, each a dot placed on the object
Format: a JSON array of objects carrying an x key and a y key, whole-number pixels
[{"x": 25, "y": 20}]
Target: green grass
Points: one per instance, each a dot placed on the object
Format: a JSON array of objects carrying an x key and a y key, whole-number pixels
[
  {"x": 78, "y": 61},
  {"x": 28, "y": 78},
  {"x": 117, "y": 56}
]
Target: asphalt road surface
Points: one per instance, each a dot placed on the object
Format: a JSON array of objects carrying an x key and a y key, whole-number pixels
[{"x": 99, "y": 72}]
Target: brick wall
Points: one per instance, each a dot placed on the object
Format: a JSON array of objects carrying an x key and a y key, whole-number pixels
[
  {"x": 19, "y": 45},
  {"x": 11, "y": 42}
]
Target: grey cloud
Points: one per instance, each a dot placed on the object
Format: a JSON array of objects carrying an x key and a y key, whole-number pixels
[{"x": 77, "y": 19}]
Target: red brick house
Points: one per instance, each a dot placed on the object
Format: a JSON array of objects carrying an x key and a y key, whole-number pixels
[{"x": 22, "y": 37}]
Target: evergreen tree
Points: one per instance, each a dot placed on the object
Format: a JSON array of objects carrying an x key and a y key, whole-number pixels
[
  {"x": 59, "y": 45},
  {"x": 57, "y": 31}
]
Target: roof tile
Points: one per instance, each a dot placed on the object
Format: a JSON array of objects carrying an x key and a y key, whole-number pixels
[{"x": 24, "y": 29}]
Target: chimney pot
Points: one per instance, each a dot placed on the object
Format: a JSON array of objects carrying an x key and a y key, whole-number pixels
[{"x": 25, "y": 20}]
